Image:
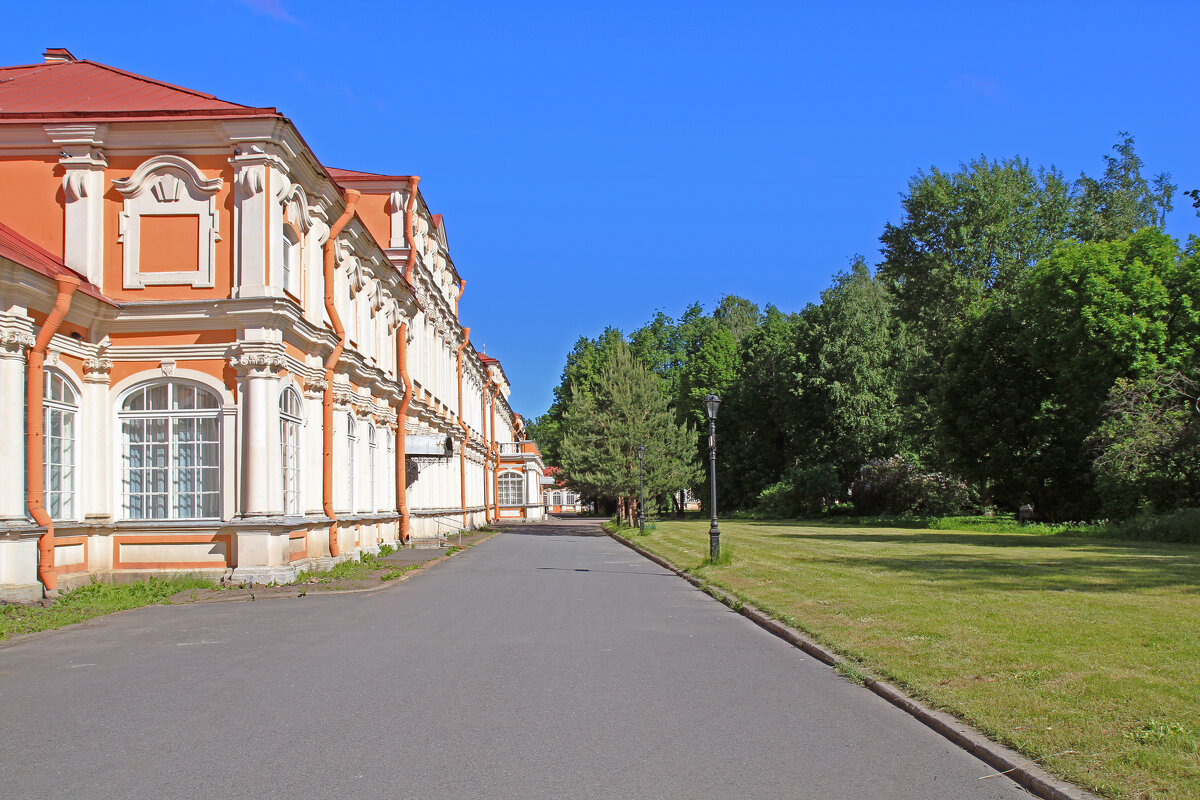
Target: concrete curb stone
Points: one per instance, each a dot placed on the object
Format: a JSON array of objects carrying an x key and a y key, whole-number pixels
[{"x": 1005, "y": 760}]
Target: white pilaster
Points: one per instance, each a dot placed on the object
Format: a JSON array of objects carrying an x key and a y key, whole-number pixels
[
  {"x": 16, "y": 336},
  {"x": 97, "y": 452},
  {"x": 83, "y": 189},
  {"x": 257, "y": 221},
  {"x": 261, "y": 457},
  {"x": 311, "y": 446}
]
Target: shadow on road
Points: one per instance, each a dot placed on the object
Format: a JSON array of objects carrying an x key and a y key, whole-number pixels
[
  {"x": 611, "y": 571},
  {"x": 554, "y": 528}
]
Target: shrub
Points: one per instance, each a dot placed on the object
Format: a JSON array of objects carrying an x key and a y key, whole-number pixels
[
  {"x": 898, "y": 486},
  {"x": 804, "y": 491},
  {"x": 1179, "y": 526}
]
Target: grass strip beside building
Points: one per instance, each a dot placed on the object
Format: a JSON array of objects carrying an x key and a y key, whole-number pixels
[{"x": 93, "y": 600}]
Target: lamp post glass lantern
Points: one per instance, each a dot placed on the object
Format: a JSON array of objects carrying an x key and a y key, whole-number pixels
[
  {"x": 712, "y": 404},
  {"x": 641, "y": 451}
]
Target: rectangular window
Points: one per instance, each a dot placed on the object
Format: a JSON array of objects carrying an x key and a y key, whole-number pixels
[{"x": 60, "y": 463}]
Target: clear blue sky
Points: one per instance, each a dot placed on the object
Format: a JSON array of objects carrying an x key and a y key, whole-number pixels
[{"x": 598, "y": 161}]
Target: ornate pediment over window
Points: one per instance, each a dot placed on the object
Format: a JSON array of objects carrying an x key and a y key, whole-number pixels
[{"x": 169, "y": 225}]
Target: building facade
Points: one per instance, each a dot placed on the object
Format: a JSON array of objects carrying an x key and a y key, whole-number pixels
[{"x": 218, "y": 355}]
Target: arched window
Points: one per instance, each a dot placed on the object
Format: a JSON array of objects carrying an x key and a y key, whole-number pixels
[
  {"x": 290, "y": 420},
  {"x": 558, "y": 499},
  {"x": 61, "y": 406},
  {"x": 171, "y": 452},
  {"x": 511, "y": 489},
  {"x": 371, "y": 449},
  {"x": 351, "y": 447}
]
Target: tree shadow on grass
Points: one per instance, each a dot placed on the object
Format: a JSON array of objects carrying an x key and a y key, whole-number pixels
[
  {"x": 989, "y": 539},
  {"x": 1095, "y": 573}
]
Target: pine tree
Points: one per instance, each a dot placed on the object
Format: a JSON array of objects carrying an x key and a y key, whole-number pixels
[{"x": 603, "y": 429}]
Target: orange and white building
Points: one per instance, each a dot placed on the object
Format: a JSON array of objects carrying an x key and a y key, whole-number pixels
[
  {"x": 235, "y": 360},
  {"x": 557, "y": 497}
]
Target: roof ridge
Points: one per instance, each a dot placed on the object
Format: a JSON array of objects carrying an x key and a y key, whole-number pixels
[{"x": 26, "y": 66}]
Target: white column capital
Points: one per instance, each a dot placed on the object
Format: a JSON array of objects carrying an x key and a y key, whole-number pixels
[
  {"x": 16, "y": 336},
  {"x": 260, "y": 360}
]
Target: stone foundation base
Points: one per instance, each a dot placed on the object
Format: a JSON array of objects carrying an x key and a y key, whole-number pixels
[{"x": 20, "y": 592}]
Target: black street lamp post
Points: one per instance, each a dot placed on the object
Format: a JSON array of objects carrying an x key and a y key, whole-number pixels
[
  {"x": 642, "y": 488},
  {"x": 711, "y": 404}
]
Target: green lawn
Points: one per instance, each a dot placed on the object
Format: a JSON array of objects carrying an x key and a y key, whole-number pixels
[{"x": 1081, "y": 652}]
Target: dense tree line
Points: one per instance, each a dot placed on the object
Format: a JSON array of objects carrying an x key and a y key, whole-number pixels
[{"x": 1024, "y": 339}]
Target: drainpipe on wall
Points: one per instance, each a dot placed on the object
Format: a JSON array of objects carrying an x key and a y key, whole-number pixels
[
  {"x": 34, "y": 452},
  {"x": 401, "y": 467},
  {"x": 331, "y": 362},
  {"x": 462, "y": 455},
  {"x": 462, "y": 287}
]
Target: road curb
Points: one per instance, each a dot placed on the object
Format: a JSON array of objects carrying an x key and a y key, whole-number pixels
[{"x": 1003, "y": 759}]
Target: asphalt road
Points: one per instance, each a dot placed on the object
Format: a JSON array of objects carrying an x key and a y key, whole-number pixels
[{"x": 547, "y": 662}]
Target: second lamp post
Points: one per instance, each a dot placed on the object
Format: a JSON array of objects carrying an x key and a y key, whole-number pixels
[{"x": 711, "y": 404}]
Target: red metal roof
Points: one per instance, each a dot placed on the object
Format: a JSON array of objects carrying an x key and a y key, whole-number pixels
[
  {"x": 485, "y": 358},
  {"x": 85, "y": 88},
  {"x": 18, "y": 249},
  {"x": 355, "y": 175}
]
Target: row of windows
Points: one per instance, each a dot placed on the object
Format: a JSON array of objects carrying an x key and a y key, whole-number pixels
[{"x": 171, "y": 453}]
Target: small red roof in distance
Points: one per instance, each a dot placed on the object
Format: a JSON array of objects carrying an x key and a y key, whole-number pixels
[
  {"x": 437, "y": 221},
  {"x": 82, "y": 88},
  {"x": 485, "y": 358},
  {"x": 18, "y": 249}
]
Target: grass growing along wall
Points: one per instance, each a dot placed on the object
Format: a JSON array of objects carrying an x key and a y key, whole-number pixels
[{"x": 94, "y": 600}]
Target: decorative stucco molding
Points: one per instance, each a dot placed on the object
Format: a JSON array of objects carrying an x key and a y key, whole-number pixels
[
  {"x": 315, "y": 387},
  {"x": 97, "y": 370},
  {"x": 259, "y": 358},
  {"x": 168, "y": 185},
  {"x": 14, "y": 343}
]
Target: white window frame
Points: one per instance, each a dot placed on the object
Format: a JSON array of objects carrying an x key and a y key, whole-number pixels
[
  {"x": 61, "y": 495},
  {"x": 291, "y": 421},
  {"x": 506, "y": 485},
  {"x": 290, "y": 265},
  {"x": 172, "y": 418}
]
